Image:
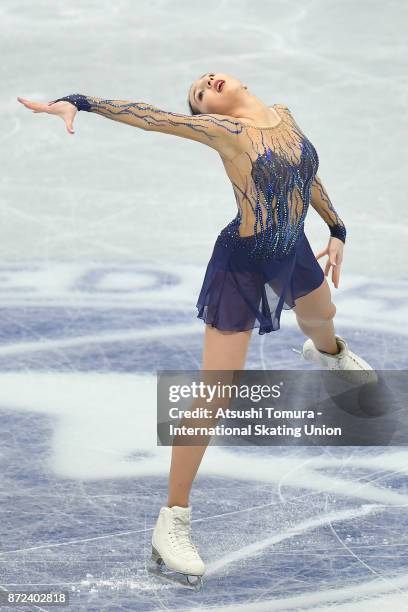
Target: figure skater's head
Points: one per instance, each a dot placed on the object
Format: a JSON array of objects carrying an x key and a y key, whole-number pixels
[{"x": 216, "y": 93}]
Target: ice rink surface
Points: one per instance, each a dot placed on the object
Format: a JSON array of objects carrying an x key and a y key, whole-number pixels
[{"x": 105, "y": 236}]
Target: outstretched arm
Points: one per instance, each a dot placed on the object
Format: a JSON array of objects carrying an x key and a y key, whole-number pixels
[
  {"x": 217, "y": 131},
  {"x": 322, "y": 204}
]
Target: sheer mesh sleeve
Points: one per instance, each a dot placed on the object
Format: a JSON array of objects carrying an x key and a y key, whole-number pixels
[
  {"x": 322, "y": 204},
  {"x": 217, "y": 131}
]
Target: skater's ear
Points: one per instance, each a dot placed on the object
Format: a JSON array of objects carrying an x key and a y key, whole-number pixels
[{"x": 193, "y": 109}]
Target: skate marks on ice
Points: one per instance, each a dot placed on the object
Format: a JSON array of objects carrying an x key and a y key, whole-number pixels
[
  {"x": 376, "y": 595},
  {"x": 300, "y": 528}
]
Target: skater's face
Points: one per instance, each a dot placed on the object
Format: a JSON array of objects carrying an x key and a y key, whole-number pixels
[{"x": 205, "y": 97}]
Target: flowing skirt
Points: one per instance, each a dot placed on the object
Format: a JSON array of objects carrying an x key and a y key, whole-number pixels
[{"x": 241, "y": 291}]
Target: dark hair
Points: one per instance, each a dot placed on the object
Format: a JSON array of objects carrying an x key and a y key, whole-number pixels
[{"x": 193, "y": 110}]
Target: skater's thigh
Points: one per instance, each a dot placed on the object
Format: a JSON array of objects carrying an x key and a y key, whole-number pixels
[
  {"x": 225, "y": 350},
  {"x": 316, "y": 305}
]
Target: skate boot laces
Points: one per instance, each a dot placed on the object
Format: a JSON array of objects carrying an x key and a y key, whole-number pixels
[{"x": 182, "y": 532}]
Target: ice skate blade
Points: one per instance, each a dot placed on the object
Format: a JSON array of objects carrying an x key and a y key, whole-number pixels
[
  {"x": 177, "y": 579},
  {"x": 156, "y": 557},
  {"x": 160, "y": 569}
]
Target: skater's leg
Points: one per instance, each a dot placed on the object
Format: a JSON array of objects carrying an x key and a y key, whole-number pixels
[
  {"x": 222, "y": 351},
  {"x": 314, "y": 313}
]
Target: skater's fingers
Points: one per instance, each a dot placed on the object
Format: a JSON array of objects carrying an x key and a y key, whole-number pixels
[
  {"x": 68, "y": 123},
  {"x": 66, "y": 111},
  {"x": 333, "y": 258},
  {"x": 336, "y": 276},
  {"x": 36, "y": 107},
  {"x": 322, "y": 253}
]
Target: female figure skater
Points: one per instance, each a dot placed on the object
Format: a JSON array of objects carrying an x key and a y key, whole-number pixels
[{"x": 262, "y": 261}]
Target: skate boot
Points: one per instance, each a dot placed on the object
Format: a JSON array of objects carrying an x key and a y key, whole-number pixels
[
  {"x": 172, "y": 544},
  {"x": 344, "y": 360}
]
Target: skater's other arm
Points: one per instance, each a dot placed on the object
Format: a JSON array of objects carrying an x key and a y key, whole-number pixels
[
  {"x": 217, "y": 131},
  {"x": 322, "y": 204}
]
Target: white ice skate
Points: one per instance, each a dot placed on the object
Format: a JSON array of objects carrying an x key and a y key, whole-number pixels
[
  {"x": 342, "y": 361},
  {"x": 172, "y": 544}
]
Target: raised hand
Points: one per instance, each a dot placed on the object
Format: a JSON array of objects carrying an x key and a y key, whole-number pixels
[
  {"x": 63, "y": 109},
  {"x": 334, "y": 250}
]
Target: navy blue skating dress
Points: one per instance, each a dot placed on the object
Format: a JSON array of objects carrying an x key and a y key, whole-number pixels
[{"x": 262, "y": 260}]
